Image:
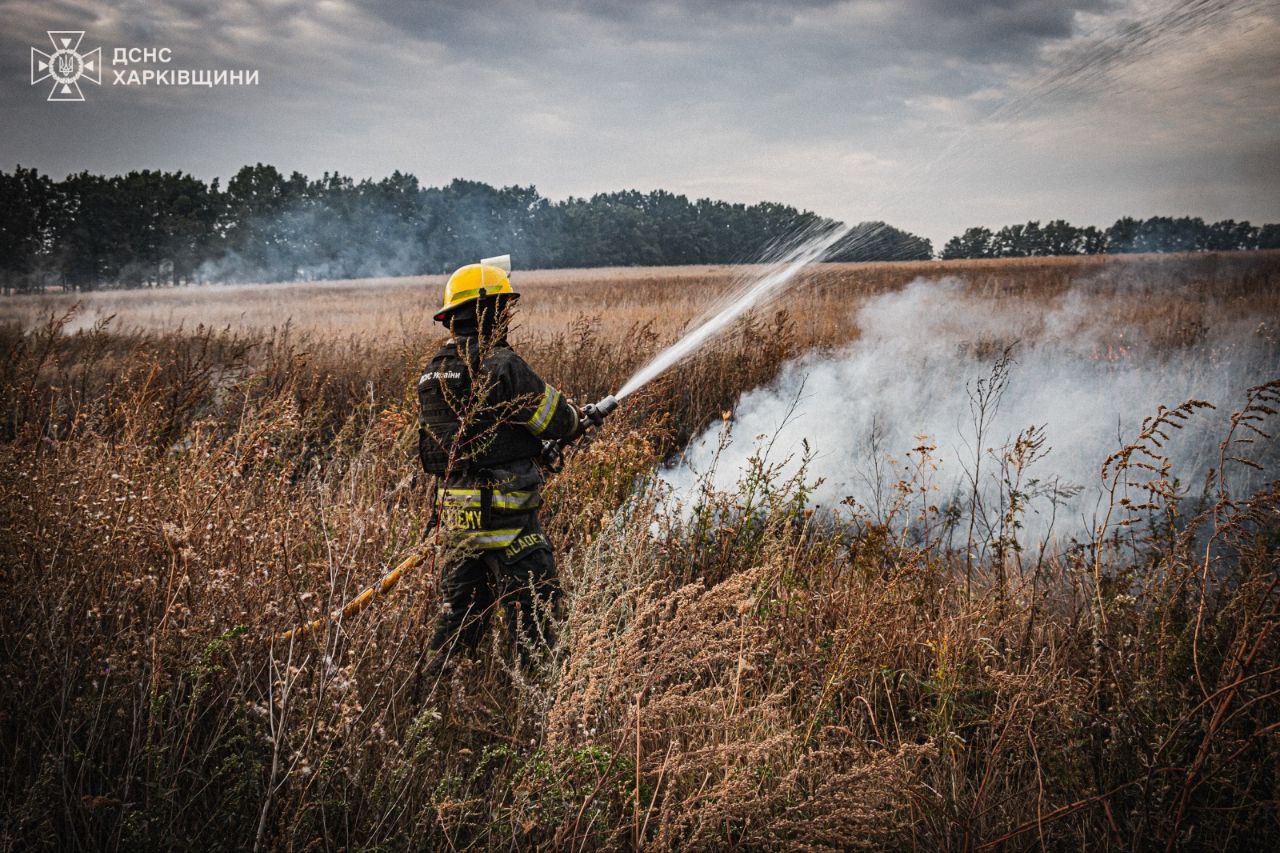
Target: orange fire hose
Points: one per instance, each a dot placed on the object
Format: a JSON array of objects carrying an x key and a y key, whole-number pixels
[
  {"x": 358, "y": 603},
  {"x": 595, "y": 412}
]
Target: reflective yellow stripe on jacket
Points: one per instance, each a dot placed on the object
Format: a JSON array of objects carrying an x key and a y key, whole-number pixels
[
  {"x": 546, "y": 408},
  {"x": 461, "y": 516},
  {"x": 487, "y": 540},
  {"x": 510, "y": 501}
]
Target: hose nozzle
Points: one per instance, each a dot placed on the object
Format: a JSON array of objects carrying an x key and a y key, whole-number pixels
[
  {"x": 593, "y": 415},
  {"x": 595, "y": 412},
  {"x": 606, "y": 405}
]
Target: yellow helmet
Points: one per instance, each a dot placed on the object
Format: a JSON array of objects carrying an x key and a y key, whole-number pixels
[{"x": 475, "y": 281}]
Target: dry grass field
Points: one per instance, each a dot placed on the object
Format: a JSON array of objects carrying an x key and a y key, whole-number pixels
[{"x": 215, "y": 464}]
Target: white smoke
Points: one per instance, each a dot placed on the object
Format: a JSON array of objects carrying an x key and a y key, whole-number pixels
[{"x": 911, "y": 377}]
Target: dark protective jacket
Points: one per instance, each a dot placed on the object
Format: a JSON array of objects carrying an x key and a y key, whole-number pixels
[{"x": 483, "y": 418}]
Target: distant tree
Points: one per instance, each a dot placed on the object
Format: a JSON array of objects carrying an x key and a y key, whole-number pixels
[
  {"x": 1269, "y": 237},
  {"x": 30, "y": 210},
  {"x": 1060, "y": 237},
  {"x": 1092, "y": 240},
  {"x": 167, "y": 220},
  {"x": 1122, "y": 235},
  {"x": 1229, "y": 235},
  {"x": 878, "y": 241},
  {"x": 1008, "y": 242},
  {"x": 261, "y": 228},
  {"x": 1167, "y": 234},
  {"x": 1157, "y": 234},
  {"x": 1032, "y": 242},
  {"x": 975, "y": 242}
]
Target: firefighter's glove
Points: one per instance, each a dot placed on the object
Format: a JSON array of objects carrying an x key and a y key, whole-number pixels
[
  {"x": 590, "y": 414},
  {"x": 552, "y": 458}
]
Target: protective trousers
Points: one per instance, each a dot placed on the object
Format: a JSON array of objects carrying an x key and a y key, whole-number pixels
[{"x": 471, "y": 589}]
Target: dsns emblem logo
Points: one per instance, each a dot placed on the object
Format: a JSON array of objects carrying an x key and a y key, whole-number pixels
[{"x": 66, "y": 66}]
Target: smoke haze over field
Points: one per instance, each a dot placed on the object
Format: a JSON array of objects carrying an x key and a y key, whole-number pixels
[{"x": 908, "y": 380}]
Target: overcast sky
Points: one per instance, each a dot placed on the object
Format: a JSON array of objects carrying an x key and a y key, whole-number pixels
[{"x": 932, "y": 114}]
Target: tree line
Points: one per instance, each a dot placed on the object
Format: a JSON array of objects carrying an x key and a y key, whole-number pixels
[
  {"x": 157, "y": 228},
  {"x": 1126, "y": 235},
  {"x": 154, "y": 227}
]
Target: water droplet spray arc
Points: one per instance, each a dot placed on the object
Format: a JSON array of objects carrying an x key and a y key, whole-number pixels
[
  {"x": 1085, "y": 66},
  {"x": 734, "y": 305}
]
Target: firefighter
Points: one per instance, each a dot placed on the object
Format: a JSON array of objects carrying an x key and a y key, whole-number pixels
[{"x": 484, "y": 416}]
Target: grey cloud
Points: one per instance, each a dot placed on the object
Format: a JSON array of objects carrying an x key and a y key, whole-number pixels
[
  {"x": 995, "y": 21},
  {"x": 977, "y": 30}
]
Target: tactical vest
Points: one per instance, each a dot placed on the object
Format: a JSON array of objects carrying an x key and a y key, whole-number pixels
[{"x": 491, "y": 437}]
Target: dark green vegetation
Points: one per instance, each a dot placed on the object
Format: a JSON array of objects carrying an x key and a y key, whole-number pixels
[
  {"x": 1126, "y": 235},
  {"x": 151, "y": 227}
]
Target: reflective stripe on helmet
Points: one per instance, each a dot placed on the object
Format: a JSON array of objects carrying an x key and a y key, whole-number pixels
[
  {"x": 546, "y": 408},
  {"x": 460, "y": 296},
  {"x": 467, "y": 283}
]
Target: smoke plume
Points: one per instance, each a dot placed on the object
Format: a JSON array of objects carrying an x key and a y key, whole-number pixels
[{"x": 921, "y": 368}]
